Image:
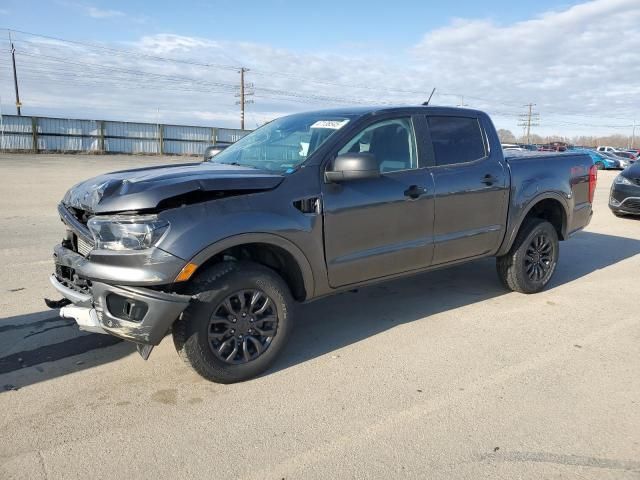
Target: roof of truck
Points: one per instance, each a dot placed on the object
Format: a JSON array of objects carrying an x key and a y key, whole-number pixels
[{"x": 364, "y": 110}]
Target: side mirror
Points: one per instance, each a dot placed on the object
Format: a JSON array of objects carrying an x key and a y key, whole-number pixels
[
  {"x": 353, "y": 166},
  {"x": 213, "y": 150}
]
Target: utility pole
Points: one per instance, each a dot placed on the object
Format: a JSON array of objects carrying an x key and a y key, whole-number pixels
[
  {"x": 1, "y": 127},
  {"x": 242, "y": 70},
  {"x": 244, "y": 93},
  {"x": 15, "y": 75},
  {"x": 528, "y": 120},
  {"x": 633, "y": 136},
  {"x": 462, "y": 104}
]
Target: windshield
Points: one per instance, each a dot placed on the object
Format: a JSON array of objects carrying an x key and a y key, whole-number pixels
[{"x": 283, "y": 144}]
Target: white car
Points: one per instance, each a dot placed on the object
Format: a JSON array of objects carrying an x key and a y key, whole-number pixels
[{"x": 607, "y": 149}]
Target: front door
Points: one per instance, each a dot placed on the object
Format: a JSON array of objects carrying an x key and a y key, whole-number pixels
[{"x": 380, "y": 226}]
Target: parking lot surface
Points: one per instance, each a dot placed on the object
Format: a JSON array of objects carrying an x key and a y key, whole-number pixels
[{"x": 442, "y": 375}]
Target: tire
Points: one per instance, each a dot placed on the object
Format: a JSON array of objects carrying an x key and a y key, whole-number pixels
[
  {"x": 224, "y": 293},
  {"x": 519, "y": 271}
]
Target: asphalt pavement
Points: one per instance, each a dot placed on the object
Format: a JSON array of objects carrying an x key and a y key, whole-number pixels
[{"x": 443, "y": 375}]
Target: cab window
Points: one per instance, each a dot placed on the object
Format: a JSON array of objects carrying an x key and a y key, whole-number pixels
[{"x": 393, "y": 142}]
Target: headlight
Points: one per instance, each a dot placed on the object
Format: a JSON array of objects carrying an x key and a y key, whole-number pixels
[
  {"x": 124, "y": 232},
  {"x": 620, "y": 180}
]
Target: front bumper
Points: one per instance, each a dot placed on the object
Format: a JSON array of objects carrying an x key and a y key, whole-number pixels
[
  {"x": 625, "y": 199},
  {"x": 139, "y": 314}
]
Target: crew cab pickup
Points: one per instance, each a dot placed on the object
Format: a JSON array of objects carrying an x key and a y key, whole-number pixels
[{"x": 219, "y": 252}]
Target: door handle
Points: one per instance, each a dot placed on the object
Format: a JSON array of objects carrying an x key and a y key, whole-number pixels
[
  {"x": 414, "y": 191},
  {"x": 489, "y": 179}
]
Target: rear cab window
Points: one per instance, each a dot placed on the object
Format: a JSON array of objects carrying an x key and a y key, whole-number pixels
[{"x": 456, "y": 140}]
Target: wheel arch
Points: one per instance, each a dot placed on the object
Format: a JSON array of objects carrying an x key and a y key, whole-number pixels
[
  {"x": 270, "y": 250},
  {"x": 550, "y": 207}
]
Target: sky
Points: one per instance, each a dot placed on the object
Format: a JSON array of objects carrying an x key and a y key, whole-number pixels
[{"x": 177, "y": 62}]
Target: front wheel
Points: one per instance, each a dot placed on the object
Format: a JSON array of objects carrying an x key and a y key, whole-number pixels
[
  {"x": 237, "y": 324},
  {"x": 533, "y": 258}
]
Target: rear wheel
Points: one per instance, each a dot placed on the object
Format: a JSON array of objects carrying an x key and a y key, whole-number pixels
[
  {"x": 532, "y": 260},
  {"x": 237, "y": 324}
]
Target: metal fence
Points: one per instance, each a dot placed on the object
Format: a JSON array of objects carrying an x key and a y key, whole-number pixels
[{"x": 44, "y": 134}]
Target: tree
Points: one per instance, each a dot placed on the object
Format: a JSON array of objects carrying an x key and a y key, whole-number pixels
[{"x": 506, "y": 136}]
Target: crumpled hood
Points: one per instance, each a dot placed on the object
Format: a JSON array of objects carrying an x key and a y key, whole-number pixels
[{"x": 145, "y": 188}]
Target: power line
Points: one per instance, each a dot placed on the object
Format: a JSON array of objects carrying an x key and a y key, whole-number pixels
[
  {"x": 121, "y": 52},
  {"x": 55, "y": 69}
]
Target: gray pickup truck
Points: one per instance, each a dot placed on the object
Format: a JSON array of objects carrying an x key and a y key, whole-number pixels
[{"x": 219, "y": 252}]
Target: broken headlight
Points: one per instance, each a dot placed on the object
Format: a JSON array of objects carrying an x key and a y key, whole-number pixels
[{"x": 127, "y": 232}]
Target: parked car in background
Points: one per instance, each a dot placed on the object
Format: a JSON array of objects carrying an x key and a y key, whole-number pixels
[
  {"x": 531, "y": 148},
  {"x": 628, "y": 155},
  {"x": 601, "y": 161},
  {"x": 514, "y": 148},
  {"x": 623, "y": 162},
  {"x": 215, "y": 149},
  {"x": 625, "y": 192},
  {"x": 506, "y": 146},
  {"x": 607, "y": 149},
  {"x": 546, "y": 148},
  {"x": 553, "y": 147}
]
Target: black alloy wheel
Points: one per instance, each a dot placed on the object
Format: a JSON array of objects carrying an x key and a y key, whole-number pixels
[
  {"x": 243, "y": 326},
  {"x": 539, "y": 258},
  {"x": 238, "y": 321},
  {"x": 532, "y": 259}
]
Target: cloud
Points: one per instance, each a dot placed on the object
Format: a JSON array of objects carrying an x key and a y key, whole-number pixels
[
  {"x": 95, "y": 12},
  {"x": 91, "y": 10},
  {"x": 164, "y": 44},
  {"x": 579, "y": 65},
  {"x": 584, "y": 59}
]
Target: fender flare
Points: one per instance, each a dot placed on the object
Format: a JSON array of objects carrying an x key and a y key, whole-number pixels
[
  {"x": 513, "y": 232},
  {"x": 267, "y": 238}
]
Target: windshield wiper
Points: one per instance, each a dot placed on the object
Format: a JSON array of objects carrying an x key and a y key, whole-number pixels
[{"x": 235, "y": 164}]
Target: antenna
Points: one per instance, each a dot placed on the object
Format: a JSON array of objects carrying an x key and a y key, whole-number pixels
[{"x": 432, "y": 92}]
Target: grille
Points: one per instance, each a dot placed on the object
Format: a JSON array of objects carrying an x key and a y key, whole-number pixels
[
  {"x": 631, "y": 204},
  {"x": 637, "y": 180},
  {"x": 83, "y": 247}
]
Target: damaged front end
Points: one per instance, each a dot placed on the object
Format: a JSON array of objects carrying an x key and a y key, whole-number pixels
[
  {"x": 120, "y": 264},
  {"x": 118, "y": 292}
]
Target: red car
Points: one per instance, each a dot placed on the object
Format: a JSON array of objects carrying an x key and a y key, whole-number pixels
[{"x": 628, "y": 155}]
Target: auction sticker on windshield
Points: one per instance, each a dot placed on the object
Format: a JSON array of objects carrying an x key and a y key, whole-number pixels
[{"x": 333, "y": 124}]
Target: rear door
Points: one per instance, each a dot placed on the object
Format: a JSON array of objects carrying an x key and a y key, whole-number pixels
[
  {"x": 471, "y": 189},
  {"x": 380, "y": 226}
]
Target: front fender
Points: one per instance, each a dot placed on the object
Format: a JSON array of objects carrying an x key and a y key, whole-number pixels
[{"x": 267, "y": 238}]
